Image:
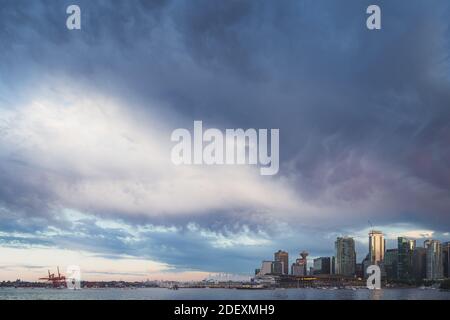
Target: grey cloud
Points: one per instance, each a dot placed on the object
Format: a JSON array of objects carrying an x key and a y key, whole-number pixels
[{"x": 360, "y": 113}]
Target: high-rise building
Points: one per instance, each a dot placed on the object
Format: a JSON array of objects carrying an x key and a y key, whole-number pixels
[
  {"x": 446, "y": 258},
  {"x": 359, "y": 270},
  {"x": 266, "y": 268},
  {"x": 345, "y": 256},
  {"x": 277, "y": 267},
  {"x": 283, "y": 257},
  {"x": 299, "y": 268},
  {"x": 419, "y": 263},
  {"x": 333, "y": 265},
  {"x": 323, "y": 265},
  {"x": 434, "y": 259},
  {"x": 376, "y": 247},
  {"x": 271, "y": 267},
  {"x": 365, "y": 264},
  {"x": 405, "y": 249},
  {"x": 390, "y": 263}
]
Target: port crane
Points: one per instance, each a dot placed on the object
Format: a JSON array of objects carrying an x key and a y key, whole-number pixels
[{"x": 57, "y": 281}]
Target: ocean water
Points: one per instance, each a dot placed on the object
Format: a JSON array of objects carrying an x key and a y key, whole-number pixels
[{"x": 220, "y": 294}]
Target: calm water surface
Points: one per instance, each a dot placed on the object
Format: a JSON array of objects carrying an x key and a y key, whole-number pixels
[{"x": 218, "y": 294}]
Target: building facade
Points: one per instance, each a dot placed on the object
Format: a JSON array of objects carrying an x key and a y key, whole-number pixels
[
  {"x": 345, "y": 256},
  {"x": 434, "y": 259},
  {"x": 277, "y": 267},
  {"x": 323, "y": 265},
  {"x": 405, "y": 249},
  {"x": 300, "y": 267},
  {"x": 283, "y": 257},
  {"x": 271, "y": 267},
  {"x": 446, "y": 258},
  {"x": 365, "y": 263},
  {"x": 266, "y": 268},
  {"x": 377, "y": 247},
  {"x": 359, "y": 270},
  {"x": 419, "y": 263},
  {"x": 390, "y": 263}
]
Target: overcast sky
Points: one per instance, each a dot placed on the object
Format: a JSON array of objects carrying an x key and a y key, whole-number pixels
[{"x": 86, "y": 117}]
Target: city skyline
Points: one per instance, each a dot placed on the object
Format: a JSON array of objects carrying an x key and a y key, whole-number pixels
[
  {"x": 99, "y": 275},
  {"x": 156, "y": 275},
  {"x": 86, "y": 118},
  {"x": 402, "y": 263}
]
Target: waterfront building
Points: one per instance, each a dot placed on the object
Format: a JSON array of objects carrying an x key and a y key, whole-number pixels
[
  {"x": 266, "y": 268},
  {"x": 345, "y": 256},
  {"x": 283, "y": 257},
  {"x": 322, "y": 265},
  {"x": 390, "y": 263},
  {"x": 277, "y": 267},
  {"x": 377, "y": 246},
  {"x": 434, "y": 259},
  {"x": 333, "y": 265},
  {"x": 359, "y": 270},
  {"x": 271, "y": 267},
  {"x": 446, "y": 258},
  {"x": 365, "y": 264},
  {"x": 405, "y": 249},
  {"x": 419, "y": 263},
  {"x": 299, "y": 268}
]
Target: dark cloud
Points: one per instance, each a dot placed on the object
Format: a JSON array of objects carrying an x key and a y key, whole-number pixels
[{"x": 362, "y": 114}]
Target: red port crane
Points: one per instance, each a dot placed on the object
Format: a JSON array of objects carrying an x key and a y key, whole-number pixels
[{"x": 57, "y": 281}]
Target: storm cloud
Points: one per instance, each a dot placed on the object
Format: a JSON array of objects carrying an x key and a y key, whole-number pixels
[{"x": 86, "y": 117}]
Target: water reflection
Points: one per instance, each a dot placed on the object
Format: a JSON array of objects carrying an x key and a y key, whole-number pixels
[
  {"x": 376, "y": 294},
  {"x": 224, "y": 294}
]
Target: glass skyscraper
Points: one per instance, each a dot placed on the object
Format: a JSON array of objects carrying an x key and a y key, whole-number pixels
[
  {"x": 446, "y": 257},
  {"x": 434, "y": 259},
  {"x": 345, "y": 256},
  {"x": 376, "y": 247},
  {"x": 390, "y": 263},
  {"x": 405, "y": 254}
]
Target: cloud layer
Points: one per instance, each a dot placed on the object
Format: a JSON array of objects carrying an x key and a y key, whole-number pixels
[{"x": 86, "y": 117}]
